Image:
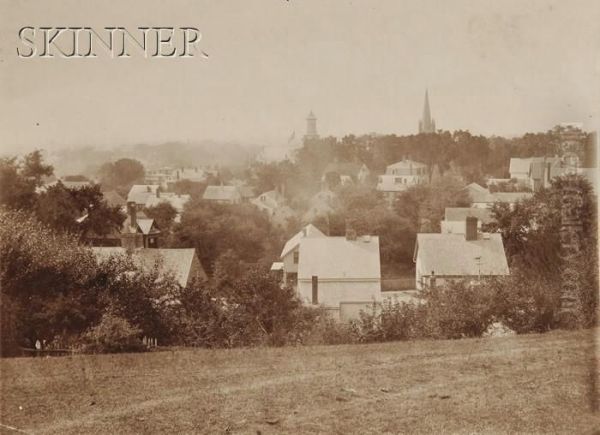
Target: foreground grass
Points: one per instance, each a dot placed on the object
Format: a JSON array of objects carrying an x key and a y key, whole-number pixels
[{"x": 534, "y": 383}]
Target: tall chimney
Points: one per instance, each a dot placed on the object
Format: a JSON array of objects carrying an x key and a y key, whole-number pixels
[
  {"x": 132, "y": 212},
  {"x": 471, "y": 230}
]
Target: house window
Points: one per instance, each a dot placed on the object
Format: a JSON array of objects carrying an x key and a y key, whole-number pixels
[
  {"x": 296, "y": 257},
  {"x": 292, "y": 278},
  {"x": 398, "y": 180}
]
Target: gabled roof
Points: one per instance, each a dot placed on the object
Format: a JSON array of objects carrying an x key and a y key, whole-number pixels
[
  {"x": 519, "y": 165},
  {"x": 175, "y": 261},
  {"x": 139, "y": 193},
  {"x": 309, "y": 231},
  {"x": 336, "y": 258},
  {"x": 221, "y": 193},
  {"x": 177, "y": 201},
  {"x": 271, "y": 199},
  {"x": 478, "y": 193},
  {"x": 460, "y": 214},
  {"x": 453, "y": 255},
  {"x": 114, "y": 199},
  {"x": 145, "y": 225}
]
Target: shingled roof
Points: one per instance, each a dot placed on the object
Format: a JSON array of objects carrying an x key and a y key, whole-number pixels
[
  {"x": 139, "y": 193},
  {"x": 308, "y": 231},
  {"x": 222, "y": 193},
  {"x": 175, "y": 261},
  {"x": 337, "y": 258},
  {"x": 460, "y": 214},
  {"x": 453, "y": 255}
]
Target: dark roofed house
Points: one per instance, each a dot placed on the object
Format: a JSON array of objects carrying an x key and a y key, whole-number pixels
[
  {"x": 182, "y": 264},
  {"x": 473, "y": 255}
]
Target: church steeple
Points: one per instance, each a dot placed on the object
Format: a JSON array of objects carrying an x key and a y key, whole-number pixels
[
  {"x": 427, "y": 123},
  {"x": 311, "y": 127}
]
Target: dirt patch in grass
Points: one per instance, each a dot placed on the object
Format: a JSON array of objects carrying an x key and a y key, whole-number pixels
[{"x": 534, "y": 383}]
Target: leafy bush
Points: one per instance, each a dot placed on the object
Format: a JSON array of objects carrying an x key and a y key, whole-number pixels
[
  {"x": 113, "y": 334},
  {"x": 324, "y": 329},
  {"x": 454, "y": 310}
]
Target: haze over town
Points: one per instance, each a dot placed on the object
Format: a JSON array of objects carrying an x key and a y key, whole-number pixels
[{"x": 494, "y": 68}]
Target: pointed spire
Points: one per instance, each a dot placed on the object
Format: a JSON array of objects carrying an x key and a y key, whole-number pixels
[{"x": 426, "y": 125}]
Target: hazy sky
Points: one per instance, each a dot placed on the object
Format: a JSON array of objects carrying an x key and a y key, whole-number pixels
[{"x": 493, "y": 67}]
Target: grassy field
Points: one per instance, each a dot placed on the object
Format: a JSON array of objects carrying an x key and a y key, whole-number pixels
[{"x": 534, "y": 384}]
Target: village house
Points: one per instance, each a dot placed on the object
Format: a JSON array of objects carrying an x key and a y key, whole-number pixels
[
  {"x": 113, "y": 199},
  {"x": 182, "y": 264},
  {"x": 222, "y": 194},
  {"x": 481, "y": 197},
  {"x": 447, "y": 256},
  {"x": 177, "y": 201},
  {"x": 291, "y": 253},
  {"x": 137, "y": 231},
  {"x": 344, "y": 173},
  {"x": 535, "y": 172},
  {"x": 455, "y": 219},
  {"x": 139, "y": 194},
  {"x": 139, "y": 237},
  {"x": 342, "y": 274},
  {"x": 272, "y": 203},
  {"x": 400, "y": 176},
  {"x": 166, "y": 176}
]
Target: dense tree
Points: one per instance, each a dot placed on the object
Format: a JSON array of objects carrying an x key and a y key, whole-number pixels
[
  {"x": 81, "y": 211},
  {"x": 17, "y": 192},
  {"x": 164, "y": 214},
  {"x": 34, "y": 167},
  {"x": 121, "y": 175},
  {"x": 424, "y": 205},
  {"x": 215, "y": 228}
]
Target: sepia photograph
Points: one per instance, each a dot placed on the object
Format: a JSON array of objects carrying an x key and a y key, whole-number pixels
[{"x": 299, "y": 217}]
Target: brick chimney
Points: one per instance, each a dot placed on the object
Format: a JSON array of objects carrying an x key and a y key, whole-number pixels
[
  {"x": 471, "y": 230},
  {"x": 132, "y": 212}
]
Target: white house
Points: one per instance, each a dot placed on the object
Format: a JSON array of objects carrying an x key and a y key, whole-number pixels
[
  {"x": 455, "y": 219},
  {"x": 139, "y": 194},
  {"x": 290, "y": 254},
  {"x": 536, "y": 172},
  {"x": 473, "y": 255},
  {"x": 481, "y": 197},
  {"x": 272, "y": 203},
  {"x": 400, "y": 176},
  {"x": 342, "y": 274}
]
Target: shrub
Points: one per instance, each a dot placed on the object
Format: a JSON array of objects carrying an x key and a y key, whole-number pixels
[
  {"x": 113, "y": 334},
  {"x": 326, "y": 330}
]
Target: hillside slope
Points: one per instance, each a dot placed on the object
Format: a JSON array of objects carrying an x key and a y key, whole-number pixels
[{"x": 534, "y": 383}]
